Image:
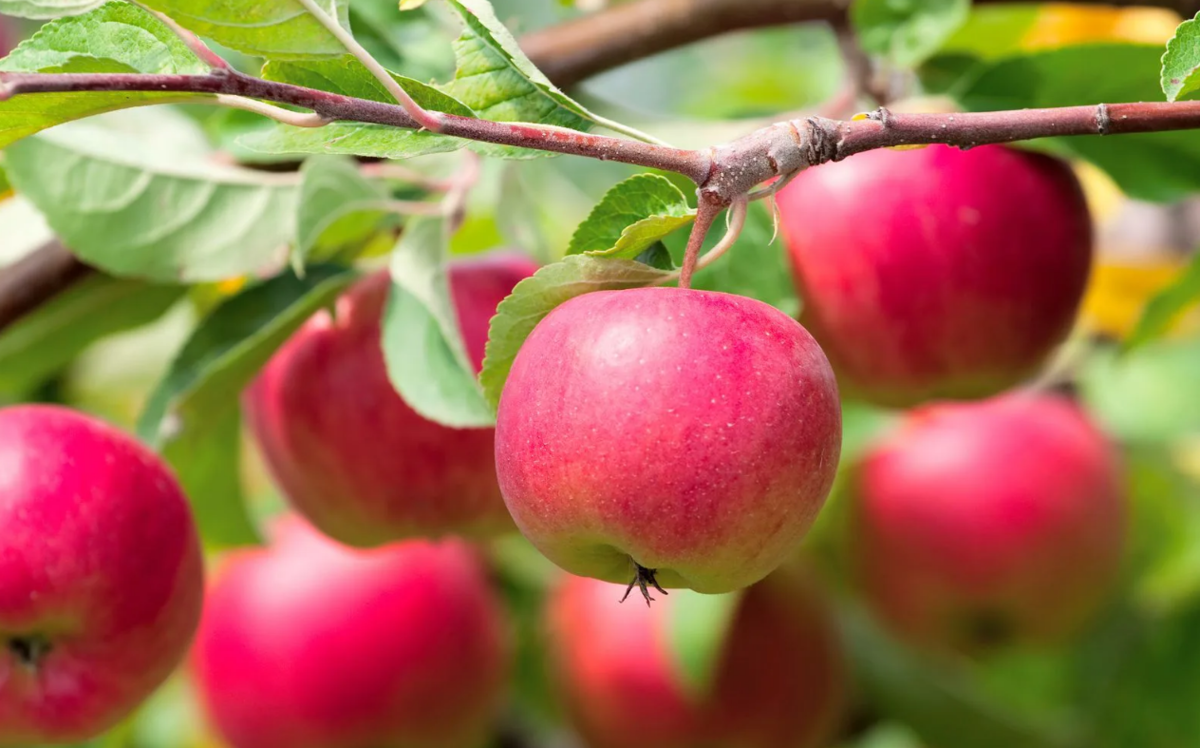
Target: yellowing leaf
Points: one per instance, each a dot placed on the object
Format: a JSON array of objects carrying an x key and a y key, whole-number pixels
[
  {"x": 1061, "y": 25},
  {"x": 1118, "y": 292}
]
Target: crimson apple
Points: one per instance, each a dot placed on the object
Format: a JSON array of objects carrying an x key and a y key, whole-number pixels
[
  {"x": 780, "y": 681},
  {"x": 101, "y": 576},
  {"x": 938, "y": 273},
  {"x": 682, "y": 437},
  {"x": 979, "y": 524},
  {"x": 312, "y": 644},
  {"x": 348, "y": 452}
]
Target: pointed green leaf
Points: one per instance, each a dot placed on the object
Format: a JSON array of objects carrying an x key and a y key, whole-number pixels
[
  {"x": 422, "y": 343},
  {"x": 275, "y": 29},
  {"x": 698, "y": 628},
  {"x": 338, "y": 207},
  {"x": 631, "y": 217},
  {"x": 115, "y": 38},
  {"x": 1181, "y": 62},
  {"x": 43, "y": 342},
  {"x": 1169, "y": 303},
  {"x": 45, "y": 9},
  {"x": 140, "y": 194},
  {"x": 207, "y": 460},
  {"x": 496, "y": 79},
  {"x": 906, "y": 31},
  {"x": 537, "y": 296},
  {"x": 230, "y": 345}
]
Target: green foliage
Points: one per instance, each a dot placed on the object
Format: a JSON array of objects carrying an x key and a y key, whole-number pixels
[
  {"x": 42, "y": 343},
  {"x": 537, "y": 296},
  {"x": 43, "y": 9},
  {"x": 192, "y": 415},
  {"x": 117, "y": 37},
  {"x": 1150, "y": 166},
  {"x": 698, "y": 629},
  {"x": 422, "y": 344},
  {"x": 1181, "y": 62},
  {"x": 1168, "y": 304},
  {"x": 338, "y": 208},
  {"x": 274, "y": 29},
  {"x": 906, "y": 31},
  {"x": 138, "y": 194},
  {"x": 631, "y": 217},
  {"x": 1147, "y": 396},
  {"x": 497, "y": 80},
  {"x": 938, "y": 706}
]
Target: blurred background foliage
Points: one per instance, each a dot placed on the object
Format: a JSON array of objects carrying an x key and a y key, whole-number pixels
[{"x": 1132, "y": 682}]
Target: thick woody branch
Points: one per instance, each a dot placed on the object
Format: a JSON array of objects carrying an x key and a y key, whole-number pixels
[
  {"x": 33, "y": 279},
  {"x": 570, "y": 52}
]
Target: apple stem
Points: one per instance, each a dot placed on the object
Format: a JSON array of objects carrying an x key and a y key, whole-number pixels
[
  {"x": 29, "y": 650},
  {"x": 643, "y": 577},
  {"x": 706, "y": 212}
]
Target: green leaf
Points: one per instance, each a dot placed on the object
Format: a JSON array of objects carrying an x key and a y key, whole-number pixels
[
  {"x": 348, "y": 77},
  {"x": 1148, "y": 166},
  {"x": 697, "y": 629},
  {"x": 906, "y": 31},
  {"x": 338, "y": 207},
  {"x": 139, "y": 194},
  {"x": 230, "y": 345},
  {"x": 1181, "y": 62},
  {"x": 192, "y": 415},
  {"x": 496, "y": 79},
  {"x": 43, "y": 9},
  {"x": 939, "y": 708},
  {"x": 115, "y": 38},
  {"x": 43, "y": 342},
  {"x": 1148, "y": 395},
  {"x": 537, "y": 296},
  {"x": 275, "y": 29},
  {"x": 426, "y": 358},
  {"x": 207, "y": 460},
  {"x": 631, "y": 217},
  {"x": 1167, "y": 304}
]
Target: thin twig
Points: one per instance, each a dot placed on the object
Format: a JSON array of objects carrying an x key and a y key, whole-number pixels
[
  {"x": 29, "y": 282},
  {"x": 279, "y": 114},
  {"x": 426, "y": 119},
  {"x": 401, "y": 173},
  {"x": 737, "y": 221}
]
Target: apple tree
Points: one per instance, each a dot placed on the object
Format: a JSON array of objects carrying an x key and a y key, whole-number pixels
[{"x": 663, "y": 373}]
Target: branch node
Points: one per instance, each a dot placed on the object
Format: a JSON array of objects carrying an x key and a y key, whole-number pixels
[
  {"x": 883, "y": 116},
  {"x": 1103, "y": 119}
]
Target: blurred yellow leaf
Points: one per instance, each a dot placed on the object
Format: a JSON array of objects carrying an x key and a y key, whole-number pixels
[
  {"x": 411, "y": 4},
  {"x": 1117, "y": 293},
  {"x": 1104, "y": 197},
  {"x": 1060, "y": 25}
]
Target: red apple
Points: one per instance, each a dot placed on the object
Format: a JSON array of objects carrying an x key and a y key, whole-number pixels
[
  {"x": 780, "y": 681},
  {"x": 348, "y": 452},
  {"x": 979, "y": 524},
  {"x": 311, "y": 644},
  {"x": 685, "y": 436},
  {"x": 938, "y": 273},
  {"x": 101, "y": 577}
]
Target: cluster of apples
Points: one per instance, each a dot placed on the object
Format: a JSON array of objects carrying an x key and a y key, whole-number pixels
[{"x": 664, "y": 438}]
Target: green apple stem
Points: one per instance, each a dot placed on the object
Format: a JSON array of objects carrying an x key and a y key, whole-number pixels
[
  {"x": 643, "y": 578},
  {"x": 29, "y": 650}
]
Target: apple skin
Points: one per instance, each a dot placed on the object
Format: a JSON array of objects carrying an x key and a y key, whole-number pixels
[
  {"x": 348, "y": 452},
  {"x": 780, "y": 682},
  {"x": 689, "y": 432},
  {"x": 937, "y": 273},
  {"x": 312, "y": 644},
  {"x": 100, "y": 565},
  {"x": 977, "y": 525}
]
